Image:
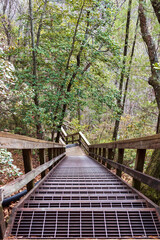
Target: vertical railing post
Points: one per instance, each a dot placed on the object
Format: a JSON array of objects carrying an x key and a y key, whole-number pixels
[
  {"x": 66, "y": 140},
  {"x": 110, "y": 156},
  {"x": 2, "y": 222},
  {"x": 53, "y": 155},
  {"x": 53, "y": 152},
  {"x": 27, "y": 160},
  {"x": 120, "y": 160},
  {"x": 50, "y": 156},
  {"x": 63, "y": 150},
  {"x": 79, "y": 140},
  {"x": 99, "y": 153},
  {"x": 95, "y": 151},
  {"x": 91, "y": 152},
  {"x": 139, "y": 164},
  {"x": 42, "y": 160},
  {"x": 56, "y": 152},
  {"x": 72, "y": 139},
  {"x": 103, "y": 155}
]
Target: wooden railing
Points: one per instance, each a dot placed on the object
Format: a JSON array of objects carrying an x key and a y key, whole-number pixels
[
  {"x": 55, "y": 152},
  {"x": 77, "y": 137},
  {"x": 104, "y": 153}
]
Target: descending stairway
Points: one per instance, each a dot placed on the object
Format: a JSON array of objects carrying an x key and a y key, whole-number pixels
[{"x": 81, "y": 199}]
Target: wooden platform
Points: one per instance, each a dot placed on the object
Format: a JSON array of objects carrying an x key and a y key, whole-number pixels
[{"x": 75, "y": 151}]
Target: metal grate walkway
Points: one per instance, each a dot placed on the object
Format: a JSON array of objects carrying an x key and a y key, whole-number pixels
[{"x": 81, "y": 199}]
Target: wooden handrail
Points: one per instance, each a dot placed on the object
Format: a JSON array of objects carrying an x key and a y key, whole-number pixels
[
  {"x": 146, "y": 179},
  {"x": 98, "y": 152},
  {"x": 20, "y": 182},
  {"x": 15, "y": 141},
  {"x": 63, "y": 132},
  {"x": 80, "y": 135},
  {"x": 148, "y": 142},
  {"x": 84, "y": 139},
  {"x": 73, "y": 134}
]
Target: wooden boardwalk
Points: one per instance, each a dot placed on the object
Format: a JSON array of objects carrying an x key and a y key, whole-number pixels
[
  {"x": 80, "y": 198},
  {"x": 75, "y": 151}
]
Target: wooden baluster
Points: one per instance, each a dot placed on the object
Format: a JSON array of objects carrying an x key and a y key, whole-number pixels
[
  {"x": 110, "y": 156},
  {"x": 139, "y": 164},
  {"x": 50, "y": 156},
  {"x": 27, "y": 160},
  {"x": 56, "y": 152},
  {"x": 66, "y": 140},
  {"x": 53, "y": 155},
  {"x": 91, "y": 152},
  {"x": 104, "y": 155},
  {"x": 72, "y": 139},
  {"x": 120, "y": 160},
  {"x": 42, "y": 160},
  {"x": 99, "y": 159},
  {"x": 2, "y": 222},
  {"x": 64, "y": 150},
  {"x": 79, "y": 140},
  {"x": 95, "y": 151}
]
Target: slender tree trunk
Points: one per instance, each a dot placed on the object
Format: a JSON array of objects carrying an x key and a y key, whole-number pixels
[
  {"x": 39, "y": 130},
  {"x": 79, "y": 113},
  {"x": 119, "y": 100},
  {"x": 154, "y": 79},
  {"x": 156, "y": 7},
  {"x": 153, "y": 168},
  {"x": 130, "y": 64}
]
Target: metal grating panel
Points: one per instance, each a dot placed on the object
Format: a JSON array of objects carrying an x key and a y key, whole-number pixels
[
  {"x": 88, "y": 224},
  {"x": 93, "y": 204},
  {"x": 81, "y": 199}
]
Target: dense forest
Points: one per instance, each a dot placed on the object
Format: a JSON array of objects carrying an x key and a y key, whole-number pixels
[{"x": 88, "y": 65}]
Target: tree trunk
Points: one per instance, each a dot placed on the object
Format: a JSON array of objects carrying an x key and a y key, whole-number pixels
[
  {"x": 153, "y": 168},
  {"x": 39, "y": 129},
  {"x": 156, "y": 7},
  {"x": 119, "y": 100}
]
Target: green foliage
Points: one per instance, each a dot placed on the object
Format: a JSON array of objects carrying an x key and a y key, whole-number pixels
[
  {"x": 76, "y": 126},
  {"x": 94, "y": 45},
  {"x": 7, "y": 166}
]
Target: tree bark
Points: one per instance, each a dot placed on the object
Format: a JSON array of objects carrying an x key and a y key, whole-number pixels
[
  {"x": 156, "y": 7},
  {"x": 153, "y": 168},
  {"x": 119, "y": 100},
  {"x": 39, "y": 130},
  {"x": 154, "y": 79}
]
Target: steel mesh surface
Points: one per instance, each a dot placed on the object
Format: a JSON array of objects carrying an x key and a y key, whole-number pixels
[
  {"x": 88, "y": 224},
  {"x": 81, "y": 199}
]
